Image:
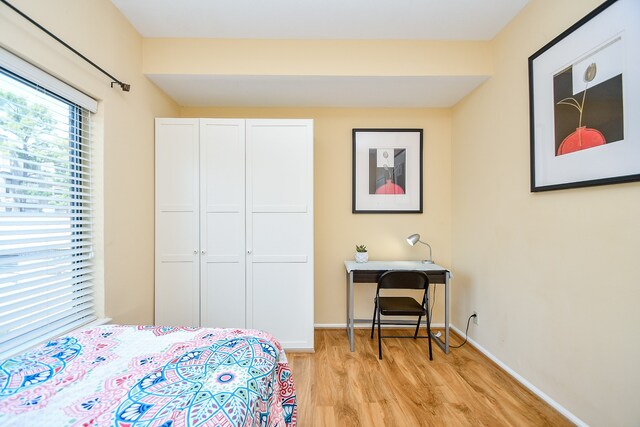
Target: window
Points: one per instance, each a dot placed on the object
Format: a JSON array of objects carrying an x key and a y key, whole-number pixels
[{"x": 45, "y": 208}]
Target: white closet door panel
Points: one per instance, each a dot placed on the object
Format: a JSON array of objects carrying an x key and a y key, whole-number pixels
[
  {"x": 177, "y": 160},
  {"x": 177, "y": 291},
  {"x": 280, "y": 234},
  {"x": 279, "y": 167},
  {"x": 223, "y": 297},
  {"x": 177, "y": 300},
  {"x": 280, "y": 303},
  {"x": 222, "y": 238},
  {"x": 178, "y": 236},
  {"x": 222, "y": 228},
  {"x": 223, "y": 285},
  {"x": 222, "y": 160}
]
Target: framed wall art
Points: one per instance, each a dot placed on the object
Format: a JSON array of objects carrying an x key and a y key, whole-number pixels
[
  {"x": 387, "y": 171},
  {"x": 584, "y": 100}
]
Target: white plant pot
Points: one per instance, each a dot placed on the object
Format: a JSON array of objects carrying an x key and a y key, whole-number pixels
[{"x": 362, "y": 256}]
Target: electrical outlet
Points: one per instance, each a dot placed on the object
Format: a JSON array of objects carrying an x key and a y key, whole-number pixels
[{"x": 475, "y": 318}]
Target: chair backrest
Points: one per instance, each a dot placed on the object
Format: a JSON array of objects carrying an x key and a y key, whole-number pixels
[{"x": 403, "y": 279}]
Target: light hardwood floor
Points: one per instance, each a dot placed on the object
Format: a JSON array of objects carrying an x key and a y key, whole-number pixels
[{"x": 335, "y": 387}]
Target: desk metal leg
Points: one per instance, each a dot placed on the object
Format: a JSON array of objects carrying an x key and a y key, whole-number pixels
[
  {"x": 350, "y": 310},
  {"x": 346, "y": 288},
  {"x": 447, "y": 300},
  {"x": 445, "y": 345}
]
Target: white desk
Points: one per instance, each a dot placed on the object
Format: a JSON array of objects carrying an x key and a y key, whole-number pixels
[{"x": 369, "y": 272}]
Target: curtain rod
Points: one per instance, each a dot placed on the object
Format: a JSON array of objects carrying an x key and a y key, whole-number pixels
[{"x": 124, "y": 86}]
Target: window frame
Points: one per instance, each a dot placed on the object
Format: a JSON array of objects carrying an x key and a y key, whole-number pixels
[{"x": 78, "y": 167}]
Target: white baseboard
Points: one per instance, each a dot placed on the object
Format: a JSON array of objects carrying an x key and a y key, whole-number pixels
[{"x": 535, "y": 390}]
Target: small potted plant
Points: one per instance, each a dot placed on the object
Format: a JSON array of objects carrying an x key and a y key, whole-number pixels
[{"x": 361, "y": 253}]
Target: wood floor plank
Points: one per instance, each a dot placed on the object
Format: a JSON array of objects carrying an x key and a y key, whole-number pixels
[{"x": 335, "y": 387}]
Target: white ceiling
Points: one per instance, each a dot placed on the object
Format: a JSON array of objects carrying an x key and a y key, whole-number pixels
[
  {"x": 319, "y": 19},
  {"x": 315, "y": 91}
]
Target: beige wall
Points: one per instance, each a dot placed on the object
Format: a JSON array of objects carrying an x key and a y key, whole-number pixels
[
  {"x": 317, "y": 57},
  {"x": 337, "y": 230},
  {"x": 123, "y": 133},
  {"x": 554, "y": 276}
]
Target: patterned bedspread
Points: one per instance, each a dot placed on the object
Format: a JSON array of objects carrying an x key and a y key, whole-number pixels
[{"x": 148, "y": 376}]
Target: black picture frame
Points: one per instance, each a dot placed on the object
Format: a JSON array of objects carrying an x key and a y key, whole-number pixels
[
  {"x": 387, "y": 170},
  {"x": 584, "y": 89}
]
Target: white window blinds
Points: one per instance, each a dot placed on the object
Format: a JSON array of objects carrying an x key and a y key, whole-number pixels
[{"x": 45, "y": 214}]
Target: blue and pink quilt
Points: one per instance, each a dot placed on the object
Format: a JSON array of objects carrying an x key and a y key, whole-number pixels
[{"x": 149, "y": 376}]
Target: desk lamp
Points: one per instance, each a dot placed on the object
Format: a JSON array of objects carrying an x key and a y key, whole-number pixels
[{"x": 415, "y": 238}]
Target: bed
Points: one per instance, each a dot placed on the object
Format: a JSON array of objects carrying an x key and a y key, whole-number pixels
[{"x": 150, "y": 376}]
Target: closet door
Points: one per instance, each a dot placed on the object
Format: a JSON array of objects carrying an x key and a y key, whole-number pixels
[
  {"x": 177, "y": 291},
  {"x": 222, "y": 223},
  {"x": 280, "y": 230}
]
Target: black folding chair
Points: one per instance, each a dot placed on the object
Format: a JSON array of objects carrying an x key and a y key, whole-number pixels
[{"x": 402, "y": 305}]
